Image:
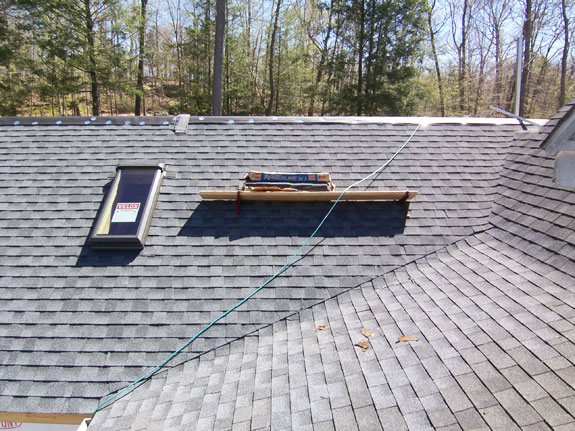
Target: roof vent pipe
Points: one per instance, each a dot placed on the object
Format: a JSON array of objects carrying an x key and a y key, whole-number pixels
[{"x": 517, "y": 88}]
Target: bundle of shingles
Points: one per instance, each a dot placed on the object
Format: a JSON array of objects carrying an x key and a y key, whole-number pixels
[{"x": 285, "y": 182}]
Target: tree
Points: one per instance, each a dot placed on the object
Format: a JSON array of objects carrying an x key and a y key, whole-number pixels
[
  {"x": 389, "y": 38},
  {"x": 271, "y": 55},
  {"x": 565, "y": 55},
  {"x": 499, "y": 12},
  {"x": 141, "y": 56},
  {"x": 69, "y": 29},
  {"x": 219, "y": 56},
  {"x": 435, "y": 56},
  {"x": 460, "y": 34},
  {"x": 323, "y": 47},
  {"x": 527, "y": 54},
  {"x": 11, "y": 88},
  {"x": 334, "y": 57}
]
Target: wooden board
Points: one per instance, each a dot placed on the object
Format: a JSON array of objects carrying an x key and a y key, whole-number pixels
[
  {"x": 308, "y": 196},
  {"x": 44, "y": 418}
]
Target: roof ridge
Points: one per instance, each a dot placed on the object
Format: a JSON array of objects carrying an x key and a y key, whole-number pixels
[{"x": 170, "y": 120}]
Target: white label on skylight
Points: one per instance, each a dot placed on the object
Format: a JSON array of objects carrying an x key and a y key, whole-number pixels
[{"x": 126, "y": 212}]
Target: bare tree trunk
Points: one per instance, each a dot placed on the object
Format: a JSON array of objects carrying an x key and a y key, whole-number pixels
[
  {"x": 323, "y": 58},
  {"x": 436, "y": 59},
  {"x": 369, "y": 76},
  {"x": 94, "y": 87},
  {"x": 219, "y": 56},
  {"x": 175, "y": 21},
  {"x": 271, "y": 59},
  {"x": 481, "y": 80},
  {"x": 141, "y": 53},
  {"x": 360, "y": 47},
  {"x": 498, "y": 83},
  {"x": 209, "y": 83},
  {"x": 278, "y": 74},
  {"x": 562, "y": 89},
  {"x": 527, "y": 34},
  {"x": 499, "y": 12},
  {"x": 327, "y": 98},
  {"x": 462, "y": 72},
  {"x": 538, "y": 87},
  {"x": 228, "y": 72}
]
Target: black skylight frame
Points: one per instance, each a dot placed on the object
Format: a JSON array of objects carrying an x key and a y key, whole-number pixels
[{"x": 125, "y": 216}]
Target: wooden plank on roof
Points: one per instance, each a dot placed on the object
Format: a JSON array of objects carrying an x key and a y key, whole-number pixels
[
  {"x": 301, "y": 196},
  {"x": 44, "y": 418}
]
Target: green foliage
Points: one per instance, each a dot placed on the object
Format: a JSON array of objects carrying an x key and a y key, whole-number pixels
[
  {"x": 14, "y": 82},
  {"x": 7, "y": 42},
  {"x": 330, "y": 57},
  {"x": 76, "y": 44}
]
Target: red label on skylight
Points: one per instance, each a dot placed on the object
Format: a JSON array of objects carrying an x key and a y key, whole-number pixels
[{"x": 130, "y": 206}]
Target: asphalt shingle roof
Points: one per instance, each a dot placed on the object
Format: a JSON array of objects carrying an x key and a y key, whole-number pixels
[
  {"x": 484, "y": 291},
  {"x": 476, "y": 364},
  {"x": 493, "y": 313}
]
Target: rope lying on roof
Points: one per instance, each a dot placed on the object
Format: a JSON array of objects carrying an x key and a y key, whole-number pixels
[{"x": 268, "y": 281}]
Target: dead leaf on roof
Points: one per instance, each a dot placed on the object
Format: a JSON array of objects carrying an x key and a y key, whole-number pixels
[
  {"x": 366, "y": 332},
  {"x": 403, "y": 338},
  {"x": 320, "y": 328},
  {"x": 363, "y": 344}
]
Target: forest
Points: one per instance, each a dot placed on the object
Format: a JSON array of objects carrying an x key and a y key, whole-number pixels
[{"x": 285, "y": 57}]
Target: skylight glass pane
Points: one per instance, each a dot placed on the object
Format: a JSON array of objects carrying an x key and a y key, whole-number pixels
[
  {"x": 130, "y": 196},
  {"x": 126, "y": 213}
]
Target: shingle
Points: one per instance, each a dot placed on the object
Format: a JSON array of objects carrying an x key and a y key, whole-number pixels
[
  {"x": 299, "y": 399},
  {"x": 479, "y": 395},
  {"x": 539, "y": 426},
  {"x": 367, "y": 418},
  {"x": 516, "y": 406},
  {"x": 497, "y": 418},
  {"x": 455, "y": 397},
  {"x": 242, "y": 414},
  {"x": 490, "y": 377},
  {"x": 338, "y": 394},
  {"x": 552, "y": 412},
  {"x": 470, "y": 419},
  {"x": 344, "y": 419},
  {"x": 321, "y": 410},
  {"x": 407, "y": 400},
  {"x": 358, "y": 391},
  {"x": 324, "y": 426},
  {"x": 391, "y": 418},
  {"x": 441, "y": 418},
  {"x": 224, "y": 416}
]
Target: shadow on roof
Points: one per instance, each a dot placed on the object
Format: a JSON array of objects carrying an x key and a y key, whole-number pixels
[
  {"x": 295, "y": 219},
  {"x": 106, "y": 257}
]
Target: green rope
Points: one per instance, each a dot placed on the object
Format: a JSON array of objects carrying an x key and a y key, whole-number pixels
[{"x": 268, "y": 281}]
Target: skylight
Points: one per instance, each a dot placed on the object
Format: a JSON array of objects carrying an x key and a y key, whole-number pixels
[{"x": 125, "y": 216}]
